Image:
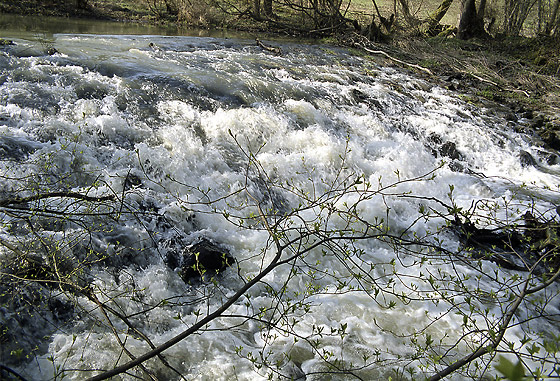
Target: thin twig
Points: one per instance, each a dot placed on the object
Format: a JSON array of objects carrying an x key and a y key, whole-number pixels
[
  {"x": 12, "y": 372},
  {"x": 481, "y": 351}
]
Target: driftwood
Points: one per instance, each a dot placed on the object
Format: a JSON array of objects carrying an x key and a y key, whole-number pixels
[
  {"x": 275, "y": 50},
  {"x": 381, "y": 52},
  {"x": 360, "y": 42}
]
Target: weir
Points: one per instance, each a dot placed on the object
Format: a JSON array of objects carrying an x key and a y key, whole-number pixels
[{"x": 205, "y": 139}]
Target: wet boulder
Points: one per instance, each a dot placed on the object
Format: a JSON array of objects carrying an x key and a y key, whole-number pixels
[
  {"x": 549, "y": 157},
  {"x": 527, "y": 160},
  {"x": 449, "y": 149},
  {"x": 203, "y": 260},
  {"x": 551, "y": 138}
]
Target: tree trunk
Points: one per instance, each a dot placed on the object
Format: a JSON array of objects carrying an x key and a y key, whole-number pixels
[
  {"x": 257, "y": 9},
  {"x": 267, "y": 8},
  {"x": 551, "y": 22},
  {"x": 406, "y": 11},
  {"x": 386, "y": 23},
  {"x": 516, "y": 12},
  {"x": 435, "y": 17},
  {"x": 81, "y": 4},
  {"x": 470, "y": 24},
  {"x": 481, "y": 10}
]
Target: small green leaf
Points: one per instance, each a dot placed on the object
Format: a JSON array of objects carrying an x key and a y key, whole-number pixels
[
  {"x": 511, "y": 371},
  {"x": 534, "y": 349}
]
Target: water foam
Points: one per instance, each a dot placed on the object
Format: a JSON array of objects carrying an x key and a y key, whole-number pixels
[{"x": 188, "y": 117}]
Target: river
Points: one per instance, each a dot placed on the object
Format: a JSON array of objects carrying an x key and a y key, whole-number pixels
[{"x": 204, "y": 139}]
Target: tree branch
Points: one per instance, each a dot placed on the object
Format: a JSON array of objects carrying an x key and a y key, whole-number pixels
[{"x": 43, "y": 196}]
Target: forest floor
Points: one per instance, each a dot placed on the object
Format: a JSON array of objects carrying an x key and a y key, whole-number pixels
[{"x": 522, "y": 74}]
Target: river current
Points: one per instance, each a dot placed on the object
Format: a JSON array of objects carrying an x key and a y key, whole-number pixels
[{"x": 190, "y": 134}]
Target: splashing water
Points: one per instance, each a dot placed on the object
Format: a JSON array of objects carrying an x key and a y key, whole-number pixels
[{"x": 173, "y": 125}]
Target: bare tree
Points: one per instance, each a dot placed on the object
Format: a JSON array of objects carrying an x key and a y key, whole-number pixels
[
  {"x": 553, "y": 22},
  {"x": 515, "y": 14}
]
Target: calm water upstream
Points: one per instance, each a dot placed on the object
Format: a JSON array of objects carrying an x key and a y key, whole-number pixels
[{"x": 174, "y": 122}]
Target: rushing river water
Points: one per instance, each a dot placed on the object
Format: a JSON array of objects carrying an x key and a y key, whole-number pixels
[{"x": 190, "y": 134}]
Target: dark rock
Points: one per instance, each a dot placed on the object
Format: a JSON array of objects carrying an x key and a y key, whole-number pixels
[
  {"x": 548, "y": 156},
  {"x": 515, "y": 247},
  {"x": 359, "y": 96},
  {"x": 552, "y": 159},
  {"x": 527, "y": 114},
  {"x": 527, "y": 160},
  {"x": 173, "y": 259},
  {"x": 534, "y": 229},
  {"x": 4, "y": 42},
  {"x": 521, "y": 129},
  {"x": 449, "y": 149},
  {"x": 51, "y": 51},
  {"x": 203, "y": 260},
  {"x": 510, "y": 117},
  {"x": 435, "y": 138},
  {"x": 132, "y": 181},
  {"x": 537, "y": 122},
  {"x": 551, "y": 138},
  {"x": 61, "y": 309},
  {"x": 456, "y": 167},
  {"x": 454, "y": 77},
  {"x": 15, "y": 148}
]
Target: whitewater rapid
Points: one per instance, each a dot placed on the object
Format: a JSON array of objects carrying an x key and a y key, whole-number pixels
[{"x": 174, "y": 123}]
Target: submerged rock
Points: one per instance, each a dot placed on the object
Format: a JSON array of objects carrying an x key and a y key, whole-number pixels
[
  {"x": 203, "y": 260},
  {"x": 16, "y": 148}
]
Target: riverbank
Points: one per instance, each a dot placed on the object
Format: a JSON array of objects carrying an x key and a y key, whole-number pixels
[
  {"x": 105, "y": 10},
  {"x": 521, "y": 73}
]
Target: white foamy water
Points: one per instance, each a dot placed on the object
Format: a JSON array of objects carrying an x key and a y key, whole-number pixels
[{"x": 190, "y": 134}]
